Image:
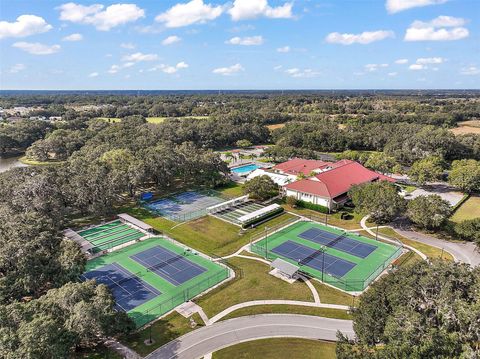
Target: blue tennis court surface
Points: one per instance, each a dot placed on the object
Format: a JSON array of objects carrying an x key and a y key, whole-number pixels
[
  {"x": 173, "y": 267},
  {"x": 334, "y": 266},
  {"x": 344, "y": 244},
  {"x": 128, "y": 290}
]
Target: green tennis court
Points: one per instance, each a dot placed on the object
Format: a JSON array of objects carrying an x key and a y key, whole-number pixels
[
  {"x": 110, "y": 235},
  {"x": 136, "y": 261},
  {"x": 343, "y": 259}
]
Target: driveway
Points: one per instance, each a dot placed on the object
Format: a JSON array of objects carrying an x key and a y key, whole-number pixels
[
  {"x": 229, "y": 332},
  {"x": 447, "y": 193}
]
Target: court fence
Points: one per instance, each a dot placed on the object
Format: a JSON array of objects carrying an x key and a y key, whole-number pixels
[
  {"x": 349, "y": 285},
  {"x": 144, "y": 317}
]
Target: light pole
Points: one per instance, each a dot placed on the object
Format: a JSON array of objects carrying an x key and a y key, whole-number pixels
[
  {"x": 323, "y": 263},
  {"x": 266, "y": 242}
]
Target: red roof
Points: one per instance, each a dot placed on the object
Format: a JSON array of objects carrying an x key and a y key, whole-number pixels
[
  {"x": 338, "y": 180},
  {"x": 300, "y": 165}
]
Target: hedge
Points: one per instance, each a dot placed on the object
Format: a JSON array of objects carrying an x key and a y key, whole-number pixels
[{"x": 314, "y": 207}]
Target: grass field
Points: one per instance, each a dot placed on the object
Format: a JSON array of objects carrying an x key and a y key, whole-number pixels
[
  {"x": 465, "y": 127},
  {"x": 252, "y": 282},
  {"x": 171, "y": 295},
  {"x": 154, "y": 120},
  {"x": 470, "y": 209},
  {"x": 365, "y": 270},
  {"x": 279, "y": 348}
]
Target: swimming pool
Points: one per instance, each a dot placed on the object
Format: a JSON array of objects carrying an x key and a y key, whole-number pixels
[{"x": 245, "y": 169}]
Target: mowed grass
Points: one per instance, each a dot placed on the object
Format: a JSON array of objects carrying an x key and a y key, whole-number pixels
[
  {"x": 163, "y": 330},
  {"x": 290, "y": 309},
  {"x": 470, "y": 209},
  {"x": 207, "y": 234},
  {"x": 252, "y": 282},
  {"x": 154, "y": 120},
  {"x": 331, "y": 295},
  {"x": 279, "y": 348}
]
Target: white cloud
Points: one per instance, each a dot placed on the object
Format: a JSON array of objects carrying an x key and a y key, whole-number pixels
[
  {"x": 73, "y": 37},
  {"x": 470, "y": 70},
  {"x": 374, "y": 67},
  {"x": 36, "y": 48},
  {"x": 127, "y": 45},
  {"x": 392, "y": 74},
  {"x": 230, "y": 70},
  {"x": 168, "y": 69},
  {"x": 195, "y": 11},
  {"x": 93, "y": 74},
  {"x": 437, "y": 29},
  {"x": 171, "y": 40},
  {"x": 394, "y": 6},
  {"x": 401, "y": 61},
  {"x": 246, "y": 41},
  {"x": 284, "y": 49},
  {"x": 25, "y": 25},
  {"x": 416, "y": 67},
  {"x": 248, "y": 9},
  {"x": 97, "y": 15},
  {"x": 278, "y": 67},
  {"x": 17, "y": 68},
  {"x": 301, "y": 73},
  {"x": 364, "y": 38},
  {"x": 114, "y": 69},
  {"x": 138, "y": 56},
  {"x": 430, "y": 60}
]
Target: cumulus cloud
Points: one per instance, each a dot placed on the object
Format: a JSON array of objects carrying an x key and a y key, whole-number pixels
[
  {"x": 138, "y": 56},
  {"x": 301, "y": 73},
  {"x": 193, "y": 12},
  {"x": 442, "y": 28},
  {"x": 93, "y": 74},
  {"x": 103, "y": 18},
  {"x": 17, "y": 68},
  {"x": 392, "y": 74},
  {"x": 394, "y": 6},
  {"x": 246, "y": 41},
  {"x": 284, "y": 49},
  {"x": 248, "y": 9},
  {"x": 127, "y": 45},
  {"x": 364, "y": 38},
  {"x": 470, "y": 70},
  {"x": 25, "y": 25},
  {"x": 423, "y": 62},
  {"x": 36, "y": 48},
  {"x": 171, "y": 40},
  {"x": 228, "y": 71},
  {"x": 168, "y": 69},
  {"x": 401, "y": 61},
  {"x": 416, "y": 67},
  {"x": 73, "y": 37},
  {"x": 374, "y": 67}
]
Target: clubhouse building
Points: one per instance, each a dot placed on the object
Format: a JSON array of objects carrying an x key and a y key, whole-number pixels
[{"x": 319, "y": 182}]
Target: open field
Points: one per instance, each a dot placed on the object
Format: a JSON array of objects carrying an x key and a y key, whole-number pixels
[
  {"x": 290, "y": 309},
  {"x": 469, "y": 209},
  {"x": 465, "y": 127},
  {"x": 155, "y": 120},
  {"x": 279, "y": 348},
  {"x": 276, "y": 126}
]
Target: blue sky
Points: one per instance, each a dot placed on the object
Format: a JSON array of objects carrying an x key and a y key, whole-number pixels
[{"x": 240, "y": 44}]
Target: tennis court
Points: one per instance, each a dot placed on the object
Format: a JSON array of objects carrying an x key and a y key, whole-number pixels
[
  {"x": 152, "y": 277},
  {"x": 184, "y": 206},
  {"x": 345, "y": 260},
  {"x": 110, "y": 235}
]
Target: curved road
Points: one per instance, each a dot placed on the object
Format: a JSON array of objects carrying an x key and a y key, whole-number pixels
[{"x": 229, "y": 332}]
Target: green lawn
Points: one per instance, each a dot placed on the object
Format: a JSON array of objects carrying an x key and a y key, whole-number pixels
[
  {"x": 430, "y": 251},
  {"x": 231, "y": 190},
  {"x": 208, "y": 234},
  {"x": 164, "y": 330},
  {"x": 470, "y": 209},
  {"x": 333, "y": 296},
  {"x": 252, "y": 282},
  {"x": 290, "y": 309},
  {"x": 279, "y": 348}
]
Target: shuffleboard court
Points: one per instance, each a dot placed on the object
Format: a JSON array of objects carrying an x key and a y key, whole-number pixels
[
  {"x": 352, "y": 261},
  {"x": 173, "y": 267},
  {"x": 310, "y": 257},
  {"x": 126, "y": 276},
  {"x": 340, "y": 242},
  {"x": 128, "y": 290}
]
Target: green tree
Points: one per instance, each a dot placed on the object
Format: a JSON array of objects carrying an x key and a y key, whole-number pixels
[
  {"x": 426, "y": 170},
  {"x": 465, "y": 175},
  {"x": 243, "y": 143},
  {"x": 381, "y": 162},
  {"x": 291, "y": 201},
  {"x": 469, "y": 230},
  {"x": 428, "y": 212},
  {"x": 261, "y": 188},
  {"x": 378, "y": 199}
]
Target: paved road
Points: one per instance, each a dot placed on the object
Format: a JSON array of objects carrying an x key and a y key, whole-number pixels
[{"x": 229, "y": 332}]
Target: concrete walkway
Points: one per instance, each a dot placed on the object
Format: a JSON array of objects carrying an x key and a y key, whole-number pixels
[
  {"x": 209, "y": 339},
  {"x": 121, "y": 349},
  {"x": 254, "y": 303}
]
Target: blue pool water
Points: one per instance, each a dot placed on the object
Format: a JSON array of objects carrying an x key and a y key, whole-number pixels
[{"x": 245, "y": 169}]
